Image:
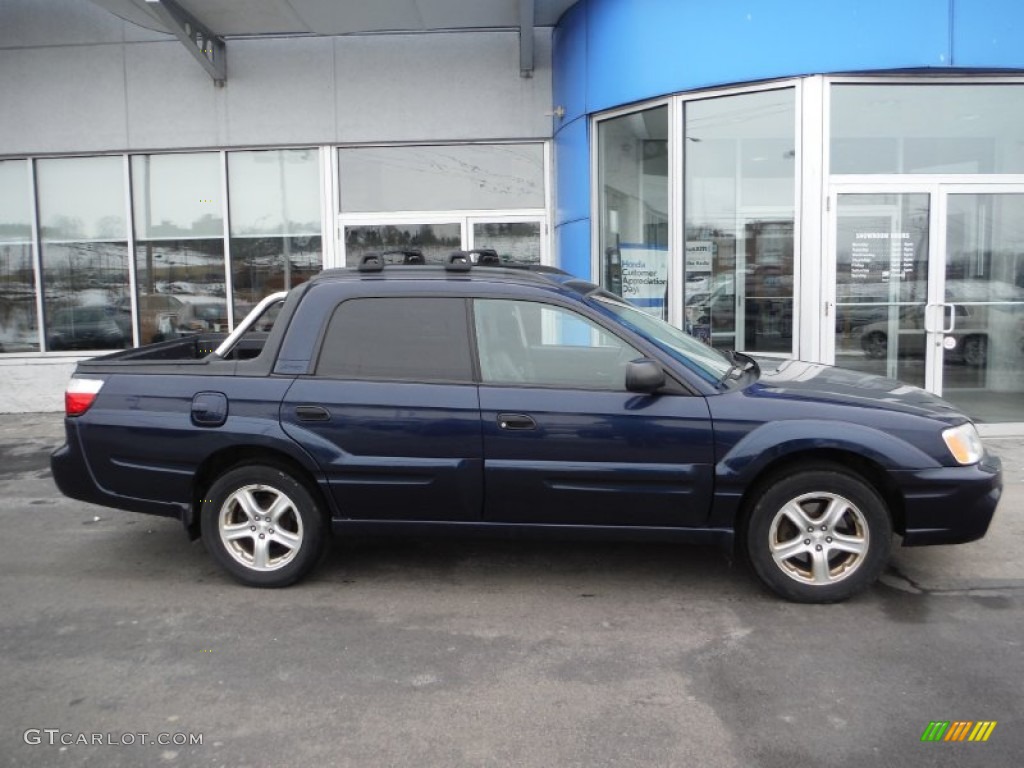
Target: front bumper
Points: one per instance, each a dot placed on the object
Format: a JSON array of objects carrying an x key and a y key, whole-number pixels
[{"x": 950, "y": 505}]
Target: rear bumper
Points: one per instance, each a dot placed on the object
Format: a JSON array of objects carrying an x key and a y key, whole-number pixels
[
  {"x": 75, "y": 479},
  {"x": 950, "y": 505}
]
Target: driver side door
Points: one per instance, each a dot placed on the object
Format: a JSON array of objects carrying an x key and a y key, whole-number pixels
[{"x": 565, "y": 443}]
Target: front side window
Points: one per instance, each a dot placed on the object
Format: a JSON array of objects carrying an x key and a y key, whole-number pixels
[
  {"x": 398, "y": 339},
  {"x": 528, "y": 343}
]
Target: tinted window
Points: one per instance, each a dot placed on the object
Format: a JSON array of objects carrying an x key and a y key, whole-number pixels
[
  {"x": 410, "y": 339},
  {"x": 522, "y": 342}
]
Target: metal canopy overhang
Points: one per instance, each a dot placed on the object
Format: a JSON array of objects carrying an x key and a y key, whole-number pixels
[
  {"x": 207, "y": 48},
  {"x": 203, "y": 25}
]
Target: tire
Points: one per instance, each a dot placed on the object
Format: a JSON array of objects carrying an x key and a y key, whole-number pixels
[
  {"x": 820, "y": 535},
  {"x": 262, "y": 526},
  {"x": 974, "y": 350},
  {"x": 876, "y": 345}
]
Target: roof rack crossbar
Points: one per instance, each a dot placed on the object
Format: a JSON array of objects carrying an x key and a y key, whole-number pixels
[
  {"x": 458, "y": 261},
  {"x": 371, "y": 262},
  {"x": 485, "y": 257}
]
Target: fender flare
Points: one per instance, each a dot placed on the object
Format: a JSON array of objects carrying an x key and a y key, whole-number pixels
[{"x": 777, "y": 439}]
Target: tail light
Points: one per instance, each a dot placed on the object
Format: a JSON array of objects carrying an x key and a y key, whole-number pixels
[{"x": 80, "y": 394}]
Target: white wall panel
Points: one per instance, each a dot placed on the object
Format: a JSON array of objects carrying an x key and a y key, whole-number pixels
[
  {"x": 62, "y": 99},
  {"x": 152, "y": 95},
  {"x": 449, "y": 86},
  {"x": 172, "y": 102},
  {"x": 280, "y": 91},
  {"x": 35, "y": 385}
]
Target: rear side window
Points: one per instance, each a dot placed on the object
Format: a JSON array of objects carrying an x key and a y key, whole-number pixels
[{"x": 408, "y": 339}]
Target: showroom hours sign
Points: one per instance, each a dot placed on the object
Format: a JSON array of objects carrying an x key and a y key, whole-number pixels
[{"x": 878, "y": 257}]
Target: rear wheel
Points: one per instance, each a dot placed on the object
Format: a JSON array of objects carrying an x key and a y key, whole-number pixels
[
  {"x": 819, "y": 536},
  {"x": 263, "y": 526}
]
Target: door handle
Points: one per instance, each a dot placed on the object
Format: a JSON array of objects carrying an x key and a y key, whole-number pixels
[
  {"x": 514, "y": 421},
  {"x": 942, "y": 308},
  {"x": 312, "y": 413}
]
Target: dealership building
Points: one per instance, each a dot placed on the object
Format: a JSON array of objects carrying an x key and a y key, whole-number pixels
[{"x": 840, "y": 182}]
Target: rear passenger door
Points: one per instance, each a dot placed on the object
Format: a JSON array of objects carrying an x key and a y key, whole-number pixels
[
  {"x": 391, "y": 413},
  {"x": 565, "y": 443}
]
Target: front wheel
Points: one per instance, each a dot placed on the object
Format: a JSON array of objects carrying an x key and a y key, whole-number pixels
[
  {"x": 819, "y": 536},
  {"x": 262, "y": 525}
]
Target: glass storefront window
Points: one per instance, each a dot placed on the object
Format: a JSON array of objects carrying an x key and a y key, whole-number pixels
[
  {"x": 515, "y": 241},
  {"x": 179, "y": 247},
  {"x": 940, "y": 128},
  {"x": 18, "y": 323},
  {"x": 633, "y": 207},
  {"x": 434, "y": 241},
  {"x": 438, "y": 178},
  {"x": 739, "y": 205},
  {"x": 274, "y": 201},
  {"x": 84, "y": 252}
]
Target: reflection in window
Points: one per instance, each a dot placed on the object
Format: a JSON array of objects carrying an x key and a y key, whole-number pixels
[
  {"x": 969, "y": 128},
  {"x": 179, "y": 250},
  {"x": 633, "y": 189},
  {"x": 739, "y": 203},
  {"x": 84, "y": 252},
  {"x": 275, "y": 222},
  {"x": 437, "y": 178},
  {"x": 515, "y": 242},
  {"x": 433, "y": 241},
  {"x": 18, "y": 325}
]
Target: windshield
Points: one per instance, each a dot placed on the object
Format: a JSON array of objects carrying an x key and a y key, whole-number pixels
[{"x": 706, "y": 361}]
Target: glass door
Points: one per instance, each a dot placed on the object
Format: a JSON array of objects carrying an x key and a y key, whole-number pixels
[
  {"x": 981, "y": 367},
  {"x": 881, "y": 314},
  {"x": 928, "y": 287}
]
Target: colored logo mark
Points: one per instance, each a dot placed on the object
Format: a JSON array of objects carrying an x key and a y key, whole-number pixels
[{"x": 958, "y": 730}]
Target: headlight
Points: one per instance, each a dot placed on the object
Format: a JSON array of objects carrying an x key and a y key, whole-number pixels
[{"x": 964, "y": 443}]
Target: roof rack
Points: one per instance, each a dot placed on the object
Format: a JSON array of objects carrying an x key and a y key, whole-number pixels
[
  {"x": 456, "y": 261},
  {"x": 409, "y": 256},
  {"x": 485, "y": 257},
  {"x": 371, "y": 262}
]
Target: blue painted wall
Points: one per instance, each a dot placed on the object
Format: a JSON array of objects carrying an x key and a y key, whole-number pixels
[{"x": 609, "y": 53}]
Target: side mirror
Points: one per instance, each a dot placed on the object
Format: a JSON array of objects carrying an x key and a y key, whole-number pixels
[{"x": 644, "y": 376}]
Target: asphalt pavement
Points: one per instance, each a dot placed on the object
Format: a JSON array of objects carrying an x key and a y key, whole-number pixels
[{"x": 116, "y": 631}]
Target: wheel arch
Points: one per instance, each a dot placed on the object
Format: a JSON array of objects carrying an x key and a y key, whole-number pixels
[
  {"x": 784, "y": 446},
  {"x": 833, "y": 459},
  {"x": 219, "y": 462}
]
